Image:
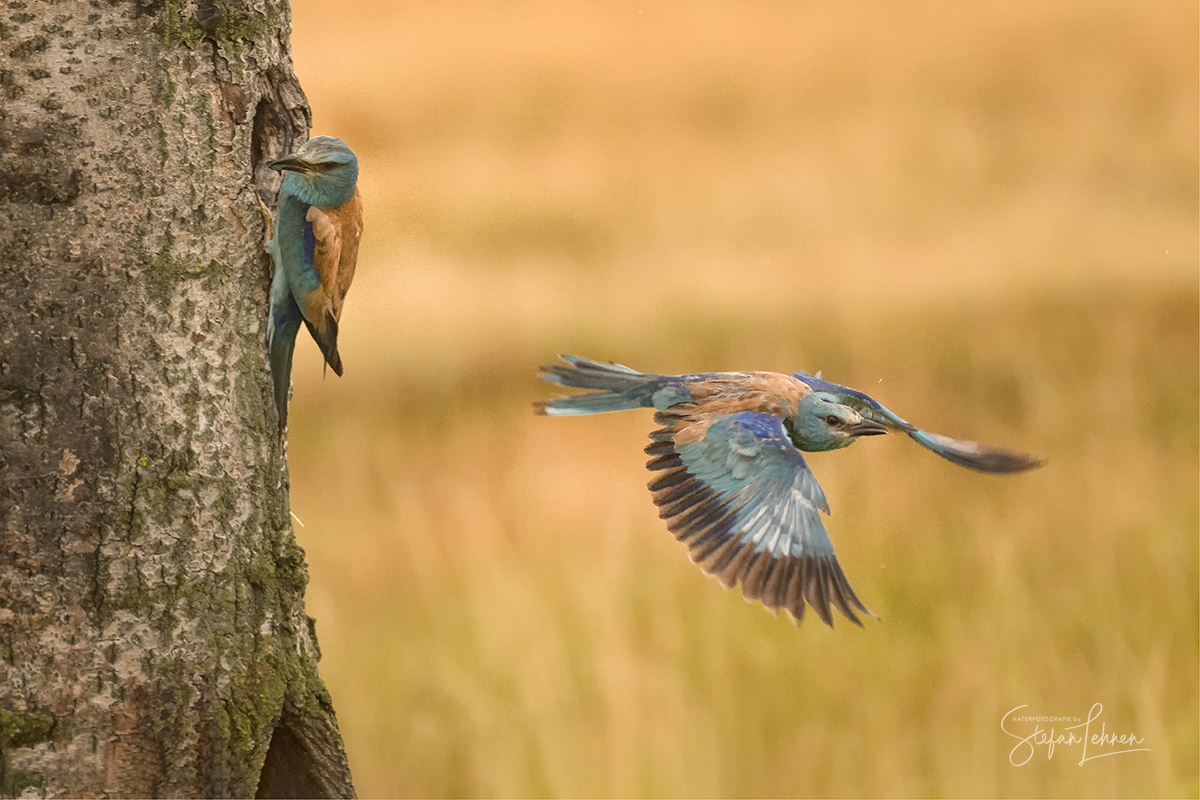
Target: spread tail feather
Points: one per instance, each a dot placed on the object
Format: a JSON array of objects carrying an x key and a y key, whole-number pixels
[{"x": 620, "y": 387}]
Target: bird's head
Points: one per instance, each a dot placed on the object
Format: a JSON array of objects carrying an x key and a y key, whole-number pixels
[
  {"x": 822, "y": 423},
  {"x": 324, "y": 172}
]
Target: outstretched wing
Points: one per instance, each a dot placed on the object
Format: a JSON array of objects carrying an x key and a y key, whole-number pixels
[
  {"x": 972, "y": 455},
  {"x": 736, "y": 491}
]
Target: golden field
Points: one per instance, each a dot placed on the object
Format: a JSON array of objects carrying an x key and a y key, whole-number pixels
[{"x": 983, "y": 214}]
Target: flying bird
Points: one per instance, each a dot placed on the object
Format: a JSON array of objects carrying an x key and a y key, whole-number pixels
[
  {"x": 318, "y": 222},
  {"x": 731, "y": 481}
]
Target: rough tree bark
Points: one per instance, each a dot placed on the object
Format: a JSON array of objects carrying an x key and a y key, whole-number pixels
[{"x": 153, "y": 639}]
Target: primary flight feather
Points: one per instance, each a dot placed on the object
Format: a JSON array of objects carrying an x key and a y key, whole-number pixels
[{"x": 730, "y": 479}]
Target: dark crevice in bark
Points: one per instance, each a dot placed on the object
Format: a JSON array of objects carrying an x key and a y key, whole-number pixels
[
  {"x": 281, "y": 123},
  {"x": 289, "y": 769}
]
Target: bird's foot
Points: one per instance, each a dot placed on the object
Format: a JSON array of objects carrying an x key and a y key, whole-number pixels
[{"x": 268, "y": 221}]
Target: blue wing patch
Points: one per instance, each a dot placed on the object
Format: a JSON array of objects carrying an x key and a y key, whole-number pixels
[
  {"x": 296, "y": 244},
  {"x": 745, "y": 503},
  {"x": 310, "y": 241}
]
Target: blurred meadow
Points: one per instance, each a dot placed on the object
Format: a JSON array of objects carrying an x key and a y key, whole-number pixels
[{"x": 985, "y": 214}]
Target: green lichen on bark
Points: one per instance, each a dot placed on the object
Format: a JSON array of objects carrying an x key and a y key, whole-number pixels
[
  {"x": 167, "y": 271},
  {"x": 24, "y": 730},
  {"x": 19, "y": 730},
  {"x": 164, "y": 151},
  {"x": 254, "y": 711},
  {"x": 16, "y": 782},
  {"x": 168, "y": 88},
  {"x": 226, "y": 22}
]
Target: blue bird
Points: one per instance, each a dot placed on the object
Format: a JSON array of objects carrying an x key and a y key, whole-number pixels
[
  {"x": 732, "y": 484},
  {"x": 318, "y": 222}
]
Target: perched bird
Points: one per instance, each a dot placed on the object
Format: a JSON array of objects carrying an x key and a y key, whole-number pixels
[
  {"x": 732, "y": 483},
  {"x": 318, "y": 222}
]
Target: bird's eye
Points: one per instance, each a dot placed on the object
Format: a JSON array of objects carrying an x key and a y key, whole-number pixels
[{"x": 832, "y": 421}]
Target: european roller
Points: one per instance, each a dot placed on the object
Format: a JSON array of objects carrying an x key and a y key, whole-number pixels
[
  {"x": 731, "y": 481},
  {"x": 318, "y": 222}
]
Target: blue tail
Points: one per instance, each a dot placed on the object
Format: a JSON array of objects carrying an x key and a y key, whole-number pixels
[
  {"x": 282, "y": 327},
  {"x": 619, "y": 387}
]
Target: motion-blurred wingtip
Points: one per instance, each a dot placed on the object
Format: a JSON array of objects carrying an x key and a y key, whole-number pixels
[{"x": 1016, "y": 463}]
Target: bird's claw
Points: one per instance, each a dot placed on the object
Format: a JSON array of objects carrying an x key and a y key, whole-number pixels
[{"x": 268, "y": 220}]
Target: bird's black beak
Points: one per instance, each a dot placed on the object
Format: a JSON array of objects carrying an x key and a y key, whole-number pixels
[
  {"x": 292, "y": 163},
  {"x": 868, "y": 427}
]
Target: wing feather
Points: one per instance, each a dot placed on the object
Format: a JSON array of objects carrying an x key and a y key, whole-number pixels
[
  {"x": 793, "y": 599},
  {"x": 972, "y": 455},
  {"x": 717, "y": 561},
  {"x": 327, "y": 253},
  {"x": 818, "y": 592},
  {"x": 736, "y": 568},
  {"x": 738, "y": 494},
  {"x": 773, "y": 592}
]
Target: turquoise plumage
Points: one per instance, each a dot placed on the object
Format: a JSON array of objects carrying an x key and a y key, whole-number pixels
[
  {"x": 731, "y": 481},
  {"x": 318, "y": 224}
]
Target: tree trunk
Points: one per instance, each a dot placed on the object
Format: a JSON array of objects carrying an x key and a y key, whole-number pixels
[{"x": 153, "y": 639}]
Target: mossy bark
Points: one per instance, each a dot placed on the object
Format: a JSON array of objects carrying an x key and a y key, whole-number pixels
[{"x": 153, "y": 639}]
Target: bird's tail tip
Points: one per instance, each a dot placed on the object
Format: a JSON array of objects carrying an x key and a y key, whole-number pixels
[
  {"x": 283, "y": 324},
  {"x": 326, "y": 338},
  {"x": 585, "y": 373}
]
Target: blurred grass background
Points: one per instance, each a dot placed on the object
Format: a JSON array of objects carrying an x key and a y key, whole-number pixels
[{"x": 985, "y": 214}]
